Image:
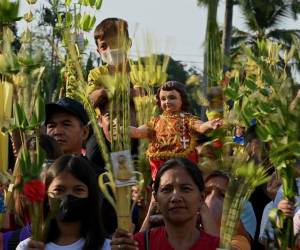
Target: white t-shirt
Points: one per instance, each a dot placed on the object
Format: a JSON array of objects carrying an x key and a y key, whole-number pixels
[{"x": 77, "y": 245}]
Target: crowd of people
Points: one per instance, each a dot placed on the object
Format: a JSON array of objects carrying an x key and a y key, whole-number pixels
[{"x": 184, "y": 207}]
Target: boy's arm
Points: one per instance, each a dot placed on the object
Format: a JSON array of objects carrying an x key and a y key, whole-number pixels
[
  {"x": 140, "y": 132},
  {"x": 203, "y": 127}
]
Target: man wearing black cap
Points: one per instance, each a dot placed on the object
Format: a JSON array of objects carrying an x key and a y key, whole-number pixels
[{"x": 66, "y": 122}]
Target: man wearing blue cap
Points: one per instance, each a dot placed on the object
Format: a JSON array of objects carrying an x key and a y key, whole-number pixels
[{"x": 66, "y": 121}]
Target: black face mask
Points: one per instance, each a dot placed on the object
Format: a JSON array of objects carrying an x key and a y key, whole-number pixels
[{"x": 70, "y": 208}]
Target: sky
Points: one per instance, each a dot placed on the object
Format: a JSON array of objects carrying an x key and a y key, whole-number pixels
[{"x": 177, "y": 27}]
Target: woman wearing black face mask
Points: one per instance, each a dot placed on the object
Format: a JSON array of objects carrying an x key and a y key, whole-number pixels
[{"x": 73, "y": 196}]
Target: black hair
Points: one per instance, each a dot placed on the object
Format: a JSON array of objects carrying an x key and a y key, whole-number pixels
[
  {"x": 180, "y": 88},
  {"x": 111, "y": 27},
  {"x": 91, "y": 227},
  {"x": 190, "y": 167},
  {"x": 217, "y": 173}
]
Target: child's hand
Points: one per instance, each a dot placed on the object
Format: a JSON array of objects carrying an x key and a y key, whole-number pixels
[{"x": 215, "y": 123}]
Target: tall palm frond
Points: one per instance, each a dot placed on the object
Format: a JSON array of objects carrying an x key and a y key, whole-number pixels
[
  {"x": 284, "y": 36},
  {"x": 261, "y": 15},
  {"x": 213, "y": 53}
]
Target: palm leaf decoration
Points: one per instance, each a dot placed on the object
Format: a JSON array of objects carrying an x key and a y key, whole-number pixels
[
  {"x": 263, "y": 90},
  {"x": 148, "y": 73},
  {"x": 244, "y": 178}
]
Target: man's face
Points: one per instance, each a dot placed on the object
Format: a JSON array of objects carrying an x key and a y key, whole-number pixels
[
  {"x": 215, "y": 189},
  {"x": 68, "y": 131}
]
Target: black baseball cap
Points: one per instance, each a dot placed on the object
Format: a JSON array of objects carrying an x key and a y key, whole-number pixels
[{"x": 66, "y": 104}]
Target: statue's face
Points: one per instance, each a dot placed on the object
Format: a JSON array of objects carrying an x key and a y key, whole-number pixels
[{"x": 170, "y": 101}]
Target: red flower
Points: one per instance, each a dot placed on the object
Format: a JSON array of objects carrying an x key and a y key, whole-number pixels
[
  {"x": 217, "y": 143},
  {"x": 34, "y": 190}
]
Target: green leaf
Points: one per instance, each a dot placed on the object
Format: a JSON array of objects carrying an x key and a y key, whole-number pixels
[
  {"x": 250, "y": 84},
  {"x": 68, "y": 2},
  {"x": 59, "y": 20},
  {"x": 263, "y": 133},
  {"x": 33, "y": 122},
  {"x": 86, "y": 42},
  {"x": 248, "y": 113},
  {"x": 40, "y": 158},
  {"x": 85, "y": 22},
  {"x": 69, "y": 19},
  {"x": 98, "y": 4},
  {"x": 77, "y": 20},
  {"x": 231, "y": 93},
  {"x": 92, "y": 2},
  {"x": 92, "y": 22},
  {"x": 85, "y": 2},
  {"x": 274, "y": 129},
  {"x": 25, "y": 162},
  {"x": 265, "y": 108},
  {"x": 20, "y": 118},
  {"x": 40, "y": 110},
  {"x": 264, "y": 92}
]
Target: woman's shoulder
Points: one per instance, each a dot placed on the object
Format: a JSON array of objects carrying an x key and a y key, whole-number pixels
[{"x": 23, "y": 244}]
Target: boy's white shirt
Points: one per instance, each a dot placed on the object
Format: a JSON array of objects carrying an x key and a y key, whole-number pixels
[{"x": 77, "y": 245}]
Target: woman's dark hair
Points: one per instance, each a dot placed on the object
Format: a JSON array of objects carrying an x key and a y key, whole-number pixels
[
  {"x": 178, "y": 86},
  {"x": 190, "y": 167},
  {"x": 91, "y": 227},
  {"x": 217, "y": 173}
]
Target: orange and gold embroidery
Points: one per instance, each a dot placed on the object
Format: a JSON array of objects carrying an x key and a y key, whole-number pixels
[{"x": 173, "y": 136}]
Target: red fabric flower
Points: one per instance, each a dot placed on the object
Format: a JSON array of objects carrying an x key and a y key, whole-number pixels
[
  {"x": 34, "y": 190},
  {"x": 217, "y": 143}
]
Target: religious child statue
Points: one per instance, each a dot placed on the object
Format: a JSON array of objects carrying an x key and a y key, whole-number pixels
[{"x": 174, "y": 132}]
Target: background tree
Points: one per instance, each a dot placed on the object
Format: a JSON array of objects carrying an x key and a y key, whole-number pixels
[
  {"x": 49, "y": 16},
  {"x": 213, "y": 54},
  {"x": 262, "y": 19}
]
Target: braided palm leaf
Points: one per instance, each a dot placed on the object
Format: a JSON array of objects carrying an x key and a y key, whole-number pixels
[{"x": 244, "y": 178}]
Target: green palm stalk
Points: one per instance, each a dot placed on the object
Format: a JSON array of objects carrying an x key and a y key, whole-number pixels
[
  {"x": 147, "y": 73},
  {"x": 117, "y": 86},
  {"x": 76, "y": 75},
  {"x": 244, "y": 178}
]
